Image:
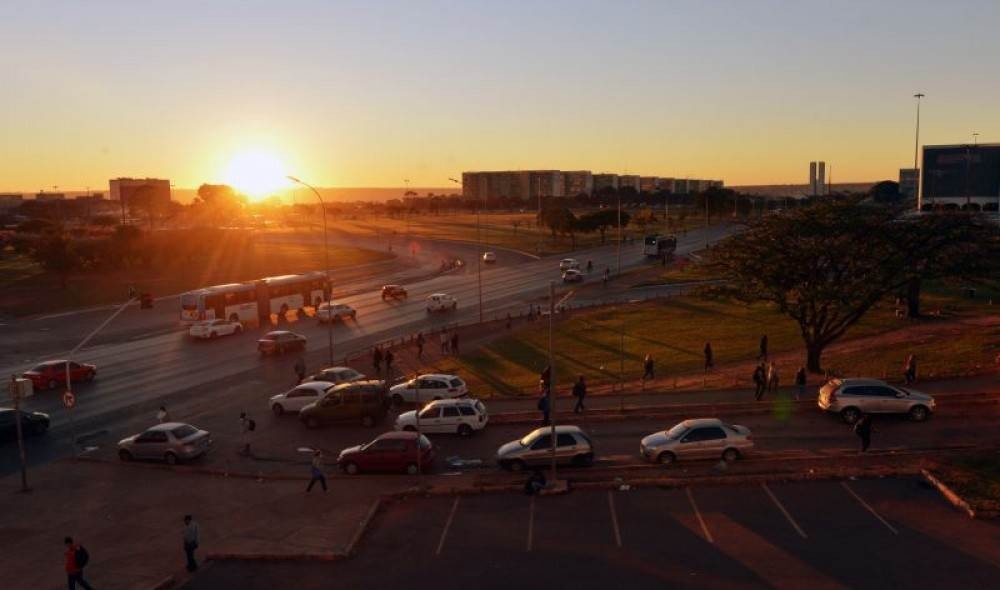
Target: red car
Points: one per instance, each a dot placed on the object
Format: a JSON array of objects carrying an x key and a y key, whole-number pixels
[
  {"x": 392, "y": 451},
  {"x": 52, "y": 374}
]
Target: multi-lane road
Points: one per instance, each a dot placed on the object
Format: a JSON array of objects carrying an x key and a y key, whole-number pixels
[{"x": 146, "y": 360}]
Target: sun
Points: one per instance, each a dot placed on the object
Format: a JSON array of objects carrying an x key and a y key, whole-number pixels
[{"x": 257, "y": 174}]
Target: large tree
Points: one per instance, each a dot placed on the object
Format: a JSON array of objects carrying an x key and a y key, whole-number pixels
[
  {"x": 600, "y": 221},
  {"x": 826, "y": 265}
]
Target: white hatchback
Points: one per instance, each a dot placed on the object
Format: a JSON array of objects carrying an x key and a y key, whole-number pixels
[
  {"x": 336, "y": 311},
  {"x": 337, "y": 375},
  {"x": 441, "y": 302},
  {"x": 461, "y": 416},
  {"x": 298, "y": 397},
  {"x": 428, "y": 387},
  {"x": 214, "y": 328}
]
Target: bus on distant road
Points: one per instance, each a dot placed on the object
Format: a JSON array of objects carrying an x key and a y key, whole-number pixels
[
  {"x": 254, "y": 301},
  {"x": 658, "y": 245}
]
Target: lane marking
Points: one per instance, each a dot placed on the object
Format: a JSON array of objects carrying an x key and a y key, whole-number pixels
[
  {"x": 697, "y": 513},
  {"x": 447, "y": 525},
  {"x": 531, "y": 521},
  {"x": 869, "y": 508},
  {"x": 781, "y": 507},
  {"x": 614, "y": 519}
]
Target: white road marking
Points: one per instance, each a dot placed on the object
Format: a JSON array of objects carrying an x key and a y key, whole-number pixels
[
  {"x": 781, "y": 507},
  {"x": 447, "y": 525},
  {"x": 697, "y": 513},
  {"x": 531, "y": 522},
  {"x": 869, "y": 508},
  {"x": 614, "y": 519}
]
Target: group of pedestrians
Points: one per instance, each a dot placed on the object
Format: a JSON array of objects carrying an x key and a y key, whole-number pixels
[
  {"x": 379, "y": 357},
  {"x": 579, "y": 391},
  {"x": 449, "y": 342}
]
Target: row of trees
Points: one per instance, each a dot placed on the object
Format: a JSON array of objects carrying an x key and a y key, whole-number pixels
[{"x": 562, "y": 221}]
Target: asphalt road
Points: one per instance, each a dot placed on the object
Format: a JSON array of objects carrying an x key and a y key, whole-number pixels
[
  {"x": 146, "y": 360},
  {"x": 878, "y": 534}
]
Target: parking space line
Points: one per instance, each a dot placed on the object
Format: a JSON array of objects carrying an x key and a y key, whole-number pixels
[
  {"x": 869, "y": 508},
  {"x": 781, "y": 507},
  {"x": 531, "y": 521},
  {"x": 447, "y": 525},
  {"x": 697, "y": 513},
  {"x": 614, "y": 519}
]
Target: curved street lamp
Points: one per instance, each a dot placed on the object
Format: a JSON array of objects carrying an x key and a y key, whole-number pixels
[{"x": 328, "y": 291}]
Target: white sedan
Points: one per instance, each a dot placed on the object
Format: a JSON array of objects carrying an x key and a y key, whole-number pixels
[
  {"x": 572, "y": 276},
  {"x": 427, "y": 388},
  {"x": 490, "y": 257},
  {"x": 214, "y": 328},
  {"x": 298, "y": 397},
  {"x": 337, "y": 375},
  {"x": 337, "y": 311}
]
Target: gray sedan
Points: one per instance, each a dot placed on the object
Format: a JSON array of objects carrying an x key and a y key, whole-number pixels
[
  {"x": 703, "y": 438},
  {"x": 171, "y": 442}
]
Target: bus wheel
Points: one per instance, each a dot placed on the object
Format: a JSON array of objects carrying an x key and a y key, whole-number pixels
[{"x": 283, "y": 312}]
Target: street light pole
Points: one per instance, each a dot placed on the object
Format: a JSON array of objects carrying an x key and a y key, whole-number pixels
[
  {"x": 552, "y": 377},
  {"x": 328, "y": 290},
  {"x": 479, "y": 252},
  {"x": 916, "y": 147},
  {"x": 619, "y": 233},
  {"x": 15, "y": 393}
]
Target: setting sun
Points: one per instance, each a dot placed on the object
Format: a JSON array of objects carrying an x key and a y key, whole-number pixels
[{"x": 257, "y": 174}]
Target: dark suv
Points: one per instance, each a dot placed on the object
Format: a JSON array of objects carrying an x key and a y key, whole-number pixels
[{"x": 361, "y": 401}]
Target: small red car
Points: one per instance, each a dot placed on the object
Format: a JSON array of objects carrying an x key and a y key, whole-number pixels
[
  {"x": 392, "y": 451},
  {"x": 394, "y": 291},
  {"x": 52, "y": 374}
]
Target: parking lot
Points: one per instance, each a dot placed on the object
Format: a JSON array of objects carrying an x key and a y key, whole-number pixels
[{"x": 831, "y": 534}]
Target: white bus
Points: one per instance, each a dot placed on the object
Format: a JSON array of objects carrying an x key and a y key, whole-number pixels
[{"x": 254, "y": 301}]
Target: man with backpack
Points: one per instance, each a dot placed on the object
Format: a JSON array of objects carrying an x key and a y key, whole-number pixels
[
  {"x": 76, "y": 559},
  {"x": 190, "y": 537}
]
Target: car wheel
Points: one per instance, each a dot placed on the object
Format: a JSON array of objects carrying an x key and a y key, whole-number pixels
[
  {"x": 52, "y": 384},
  {"x": 234, "y": 318},
  {"x": 124, "y": 455},
  {"x": 515, "y": 465},
  {"x": 584, "y": 460},
  {"x": 367, "y": 421},
  {"x": 312, "y": 422},
  {"x": 397, "y": 400},
  {"x": 238, "y": 329},
  {"x": 277, "y": 409},
  {"x": 213, "y": 335},
  {"x": 170, "y": 458},
  {"x": 412, "y": 469},
  {"x": 850, "y": 415},
  {"x": 918, "y": 413},
  {"x": 464, "y": 430},
  {"x": 730, "y": 455},
  {"x": 437, "y": 397},
  {"x": 666, "y": 458},
  {"x": 354, "y": 316},
  {"x": 351, "y": 468}
]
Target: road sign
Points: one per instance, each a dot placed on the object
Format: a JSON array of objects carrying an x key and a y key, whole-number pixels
[{"x": 69, "y": 400}]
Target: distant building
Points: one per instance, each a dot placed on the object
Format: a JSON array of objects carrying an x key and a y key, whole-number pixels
[
  {"x": 665, "y": 184},
  {"x": 577, "y": 182},
  {"x": 628, "y": 180},
  {"x": 44, "y": 196},
  {"x": 908, "y": 182},
  {"x": 648, "y": 184},
  {"x": 605, "y": 181},
  {"x": 817, "y": 178},
  {"x": 531, "y": 184},
  {"x": 962, "y": 176},
  {"x": 10, "y": 200},
  {"x": 123, "y": 189}
]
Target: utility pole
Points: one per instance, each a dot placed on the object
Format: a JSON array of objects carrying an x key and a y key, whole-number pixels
[
  {"x": 619, "y": 232},
  {"x": 916, "y": 147},
  {"x": 552, "y": 377},
  {"x": 417, "y": 417},
  {"x": 328, "y": 289},
  {"x": 15, "y": 394}
]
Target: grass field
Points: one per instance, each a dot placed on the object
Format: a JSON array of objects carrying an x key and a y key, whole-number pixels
[{"x": 674, "y": 332}]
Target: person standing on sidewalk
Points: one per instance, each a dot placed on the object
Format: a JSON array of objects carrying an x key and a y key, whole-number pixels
[
  {"x": 800, "y": 383},
  {"x": 709, "y": 357},
  {"x": 76, "y": 559},
  {"x": 300, "y": 369},
  {"x": 191, "y": 536},
  {"x": 647, "y": 367},
  {"x": 759, "y": 382},
  {"x": 377, "y": 360},
  {"x": 420, "y": 345},
  {"x": 247, "y": 425},
  {"x": 454, "y": 342},
  {"x": 389, "y": 357},
  {"x": 545, "y": 380},
  {"x": 162, "y": 416},
  {"x": 444, "y": 342},
  {"x": 772, "y": 376},
  {"x": 579, "y": 392},
  {"x": 863, "y": 428},
  {"x": 316, "y": 469},
  {"x": 762, "y": 353},
  {"x": 910, "y": 370}
]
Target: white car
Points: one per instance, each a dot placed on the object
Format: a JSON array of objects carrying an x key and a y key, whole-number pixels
[
  {"x": 852, "y": 397},
  {"x": 441, "y": 302},
  {"x": 214, "y": 328},
  {"x": 299, "y": 397},
  {"x": 337, "y": 375},
  {"x": 572, "y": 276},
  {"x": 461, "y": 416},
  {"x": 427, "y": 388},
  {"x": 490, "y": 257},
  {"x": 337, "y": 311},
  {"x": 702, "y": 438},
  {"x": 568, "y": 263}
]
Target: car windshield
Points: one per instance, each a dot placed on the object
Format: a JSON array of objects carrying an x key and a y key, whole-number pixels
[
  {"x": 429, "y": 412},
  {"x": 39, "y": 369},
  {"x": 456, "y": 382},
  {"x": 677, "y": 431},
  {"x": 530, "y": 438},
  {"x": 182, "y": 432}
]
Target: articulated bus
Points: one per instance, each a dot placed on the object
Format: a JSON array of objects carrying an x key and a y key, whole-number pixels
[
  {"x": 254, "y": 301},
  {"x": 659, "y": 245}
]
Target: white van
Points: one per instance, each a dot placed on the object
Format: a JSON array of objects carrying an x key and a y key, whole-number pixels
[{"x": 441, "y": 302}]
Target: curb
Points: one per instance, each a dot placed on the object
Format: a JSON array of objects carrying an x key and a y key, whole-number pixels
[
  {"x": 363, "y": 527},
  {"x": 327, "y": 557},
  {"x": 165, "y": 584},
  {"x": 953, "y": 498}
]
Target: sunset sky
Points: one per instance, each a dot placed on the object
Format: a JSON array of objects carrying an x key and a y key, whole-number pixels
[{"x": 371, "y": 93}]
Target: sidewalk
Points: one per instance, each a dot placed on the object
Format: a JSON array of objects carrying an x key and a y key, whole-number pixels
[{"x": 130, "y": 521}]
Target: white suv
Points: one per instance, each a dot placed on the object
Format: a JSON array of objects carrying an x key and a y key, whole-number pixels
[
  {"x": 428, "y": 387},
  {"x": 462, "y": 416},
  {"x": 337, "y": 311},
  {"x": 852, "y": 397},
  {"x": 441, "y": 302}
]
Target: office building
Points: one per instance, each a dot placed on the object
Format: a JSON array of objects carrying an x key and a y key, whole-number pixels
[
  {"x": 123, "y": 189},
  {"x": 605, "y": 182},
  {"x": 908, "y": 182},
  {"x": 44, "y": 196},
  {"x": 532, "y": 184},
  {"x": 577, "y": 182},
  {"x": 961, "y": 176},
  {"x": 628, "y": 181},
  {"x": 10, "y": 200}
]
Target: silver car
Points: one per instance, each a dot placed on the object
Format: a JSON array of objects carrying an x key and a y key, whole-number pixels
[
  {"x": 171, "y": 442},
  {"x": 535, "y": 449},
  {"x": 852, "y": 397},
  {"x": 702, "y": 438}
]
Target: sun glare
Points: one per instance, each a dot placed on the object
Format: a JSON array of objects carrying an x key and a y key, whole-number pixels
[{"x": 257, "y": 174}]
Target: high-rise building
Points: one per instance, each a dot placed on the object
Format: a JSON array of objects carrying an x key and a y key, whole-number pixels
[
  {"x": 577, "y": 182},
  {"x": 123, "y": 189},
  {"x": 605, "y": 181},
  {"x": 628, "y": 180},
  {"x": 648, "y": 184},
  {"x": 817, "y": 178}
]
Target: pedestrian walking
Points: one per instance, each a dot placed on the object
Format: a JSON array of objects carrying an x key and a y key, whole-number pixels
[
  {"x": 162, "y": 416},
  {"x": 910, "y": 370},
  {"x": 709, "y": 357},
  {"x": 420, "y": 345},
  {"x": 762, "y": 353},
  {"x": 191, "y": 536},
  {"x": 377, "y": 360},
  {"x": 545, "y": 379},
  {"x": 772, "y": 377},
  {"x": 800, "y": 383},
  {"x": 300, "y": 369},
  {"x": 444, "y": 342},
  {"x": 389, "y": 357},
  {"x": 76, "y": 559},
  {"x": 247, "y": 425},
  {"x": 607, "y": 274},
  {"x": 543, "y": 407},
  {"x": 316, "y": 470},
  {"x": 579, "y": 392},
  {"x": 535, "y": 483},
  {"x": 454, "y": 342},
  {"x": 759, "y": 382},
  {"x": 863, "y": 428},
  {"x": 647, "y": 367}
]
